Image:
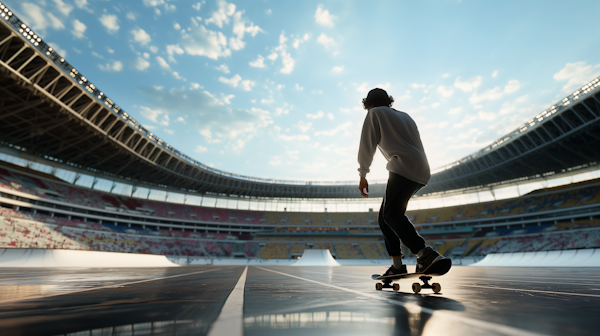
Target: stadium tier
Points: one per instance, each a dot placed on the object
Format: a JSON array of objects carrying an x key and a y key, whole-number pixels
[{"x": 41, "y": 211}]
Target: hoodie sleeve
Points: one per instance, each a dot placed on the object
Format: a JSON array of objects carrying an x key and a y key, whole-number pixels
[{"x": 369, "y": 139}]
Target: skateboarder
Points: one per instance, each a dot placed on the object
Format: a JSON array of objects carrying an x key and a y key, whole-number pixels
[{"x": 397, "y": 136}]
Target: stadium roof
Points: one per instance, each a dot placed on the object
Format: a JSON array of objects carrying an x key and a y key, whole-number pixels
[{"x": 52, "y": 110}]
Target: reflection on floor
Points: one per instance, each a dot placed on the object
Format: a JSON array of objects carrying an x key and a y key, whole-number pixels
[{"x": 298, "y": 301}]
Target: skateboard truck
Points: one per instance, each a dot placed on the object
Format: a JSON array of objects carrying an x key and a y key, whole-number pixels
[{"x": 436, "y": 287}]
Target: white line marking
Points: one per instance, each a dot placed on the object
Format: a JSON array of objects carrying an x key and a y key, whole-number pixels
[
  {"x": 101, "y": 287},
  {"x": 532, "y": 290},
  {"x": 490, "y": 326},
  {"x": 231, "y": 317},
  {"x": 531, "y": 281}
]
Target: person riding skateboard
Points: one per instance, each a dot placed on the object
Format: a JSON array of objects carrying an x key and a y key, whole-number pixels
[{"x": 397, "y": 136}]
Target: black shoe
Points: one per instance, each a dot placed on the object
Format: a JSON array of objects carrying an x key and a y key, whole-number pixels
[
  {"x": 395, "y": 271},
  {"x": 428, "y": 257}
]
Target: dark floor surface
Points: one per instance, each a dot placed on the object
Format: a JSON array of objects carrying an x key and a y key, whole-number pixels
[{"x": 298, "y": 301}]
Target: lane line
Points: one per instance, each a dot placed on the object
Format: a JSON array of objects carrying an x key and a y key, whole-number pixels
[
  {"x": 101, "y": 287},
  {"x": 230, "y": 320},
  {"x": 489, "y": 326},
  {"x": 531, "y": 281},
  {"x": 532, "y": 290}
]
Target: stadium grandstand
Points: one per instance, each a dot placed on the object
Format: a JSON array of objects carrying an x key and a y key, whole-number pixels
[{"x": 78, "y": 172}]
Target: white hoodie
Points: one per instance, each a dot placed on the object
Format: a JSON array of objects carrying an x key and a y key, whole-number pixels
[{"x": 397, "y": 136}]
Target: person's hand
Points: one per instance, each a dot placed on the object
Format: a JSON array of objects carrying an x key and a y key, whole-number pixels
[{"x": 362, "y": 186}]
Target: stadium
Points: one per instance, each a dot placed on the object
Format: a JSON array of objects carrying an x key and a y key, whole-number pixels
[{"x": 78, "y": 173}]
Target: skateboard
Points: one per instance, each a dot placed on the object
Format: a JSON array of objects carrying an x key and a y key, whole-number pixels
[{"x": 438, "y": 268}]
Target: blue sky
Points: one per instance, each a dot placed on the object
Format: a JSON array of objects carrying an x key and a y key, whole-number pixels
[{"x": 273, "y": 88}]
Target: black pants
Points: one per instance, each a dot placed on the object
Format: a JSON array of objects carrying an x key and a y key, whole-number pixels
[{"x": 393, "y": 222}]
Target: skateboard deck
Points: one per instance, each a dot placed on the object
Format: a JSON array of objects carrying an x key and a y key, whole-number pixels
[{"x": 438, "y": 268}]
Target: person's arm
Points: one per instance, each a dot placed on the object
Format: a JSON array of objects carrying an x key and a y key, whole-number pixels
[{"x": 369, "y": 140}]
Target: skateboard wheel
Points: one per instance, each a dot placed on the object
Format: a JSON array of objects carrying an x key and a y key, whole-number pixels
[
  {"x": 416, "y": 287},
  {"x": 378, "y": 286},
  {"x": 436, "y": 287},
  {"x": 396, "y": 287}
]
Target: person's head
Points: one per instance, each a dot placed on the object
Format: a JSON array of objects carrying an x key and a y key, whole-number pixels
[{"x": 377, "y": 97}]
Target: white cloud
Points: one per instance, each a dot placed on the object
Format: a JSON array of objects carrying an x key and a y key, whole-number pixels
[
  {"x": 195, "y": 86},
  {"x": 130, "y": 16},
  {"x": 177, "y": 26},
  {"x": 197, "y": 6},
  {"x": 173, "y": 49},
  {"x": 78, "y": 29},
  {"x": 317, "y": 115},
  {"x": 340, "y": 128},
  {"x": 363, "y": 88},
  {"x": 163, "y": 64},
  {"x": 512, "y": 86},
  {"x": 467, "y": 85},
  {"x": 273, "y": 56},
  {"x": 177, "y": 76},
  {"x": 210, "y": 114},
  {"x": 240, "y": 28},
  {"x": 417, "y": 86},
  {"x": 337, "y": 69},
  {"x": 487, "y": 116},
  {"x": 522, "y": 99},
  {"x": 330, "y": 116},
  {"x": 34, "y": 15},
  {"x": 223, "y": 68},
  {"x": 247, "y": 85},
  {"x": 62, "y": 7},
  {"x": 325, "y": 41},
  {"x": 222, "y": 14},
  {"x": 203, "y": 42},
  {"x": 115, "y": 66},
  {"x": 345, "y": 110},
  {"x": 576, "y": 74},
  {"x": 141, "y": 64},
  {"x": 496, "y": 93},
  {"x": 304, "y": 126},
  {"x": 267, "y": 101},
  {"x": 491, "y": 94},
  {"x": 180, "y": 119},
  {"x": 323, "y": 17},
  {"x": 201, "y": 149},
  {"x": 140, "y": 36},
  {"x": 81, "y": 4},
  {"x": 281, "y": 110},
  {"x": 233, "y": 81},
  {"x": 236, "y": 81},
  {"x": 446, "y": 75},
  {"x": 468, "y": 134},
  {"x": 55, "y": 22},
  {"x": 110, "y": 22},
  {"x": 455, "y": 111},
  {"x": 445, "y": 91},
  {"x": 288, "y": 63},
  {"x": 466, "y": 120},
  {"x": 258, "y": 62},
  {"x": 495, "y": 73},
  {"x": 152, "y": 115},
  {"x": 298, "y": 87}
]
